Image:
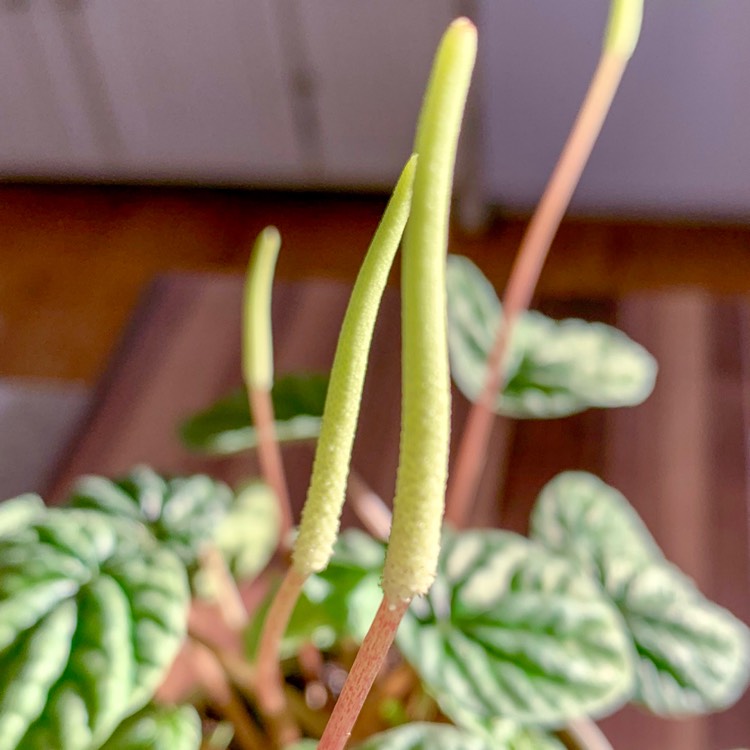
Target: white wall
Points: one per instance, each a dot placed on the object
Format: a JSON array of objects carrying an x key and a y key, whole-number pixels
[{"x": 678, "y": 137}]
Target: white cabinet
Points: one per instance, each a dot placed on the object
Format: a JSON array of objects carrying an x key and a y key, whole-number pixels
[
  {"x": 304, "y": 93},
  {"x": 368, "y": 63},
  {"x": 44, "y": 122},
  {"x": 676, "y": 140},
  {"x": 197, "y": 89}
]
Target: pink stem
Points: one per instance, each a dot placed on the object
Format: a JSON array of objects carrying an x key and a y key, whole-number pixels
[
  {"x": 269, "y": 454},
  {"x": 525, "y": 275},
  {"x": 369, "y": 506},
  {"x": 269, "y": 680},
  {"x": 365, "y": 669}
]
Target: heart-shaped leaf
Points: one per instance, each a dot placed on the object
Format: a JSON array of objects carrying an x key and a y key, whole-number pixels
[
  {"x": 159, "y": 728},
  {"x": 226, "y": 427},
  {"x": 474, "y": 313},
  {"x": 183, "y": 512},
  {"x": 693, "y": 656},
  {"x": 92, "y": 613},
  {"x": 337, "y": 603},
  {"x": 509, "y": 630},
  {"x": 556, "y": 368},
  {"x": 580, "y": 516}
]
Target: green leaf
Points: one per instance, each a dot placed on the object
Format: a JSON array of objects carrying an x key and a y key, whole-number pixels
[
  {"x": 425, "y": 736},
  {"x": 580, "y": 516},
  {"x": 499, "y": 732},
  {"x": 510, "y": 631},
  {"x": 556, "y": 368},
  {"x": 226, "y": 427},
  {"x": 184, "y": 512},
  {"x": 694, "y": 656},
  {"x": 305, "y": 744},
  {"x": 159, "y": 728},
  {"x": 19, "y": 512},
  {"x": 340, "y": 602},
  {"x": 474, "y": 312},
  {"x": 247, "y": 536},
  {"x": 92, "y": 614}
]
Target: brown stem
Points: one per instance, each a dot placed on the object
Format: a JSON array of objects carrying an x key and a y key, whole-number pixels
[
  {"x": 269, "y": 454},
  {"x": 216, "y": 685},
  {"x": 228, "y": 598},
  {"x": 365, "y": 669},
  {"x": 369, "y": 506},
  {"x": 240, "y": 672},
  {"x": 270, "y": 682},
  {"x": 586, "y": 734},
  {"x": 525, "y": 275}
]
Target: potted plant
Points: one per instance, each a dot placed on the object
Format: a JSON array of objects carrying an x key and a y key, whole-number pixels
[{"x": 501, "y": 641}]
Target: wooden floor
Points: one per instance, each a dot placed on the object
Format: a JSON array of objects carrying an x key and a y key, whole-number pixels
[{"x": 73, "y": 259}]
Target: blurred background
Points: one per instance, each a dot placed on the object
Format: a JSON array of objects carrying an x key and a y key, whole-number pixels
[{"x": 140, "y": 137}]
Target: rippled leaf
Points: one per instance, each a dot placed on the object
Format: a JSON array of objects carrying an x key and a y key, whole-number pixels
[
  {"x": 556, "y": 368},
  {"x": 426, "y": 736},
  {"x": 159, "y": 728},
  {"x": 92, "y": 613},
  {"x": 693, "y": 656},
  {"x": 582, "y": 517},
  {"x": 183, "y": 512},
  {"x": 226, "y": 427},
  {"x": 509, "y": 630}
]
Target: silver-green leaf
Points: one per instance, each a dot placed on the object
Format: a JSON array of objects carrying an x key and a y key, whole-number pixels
[
  {"x": 556, "y": 368},
  {"x": 183, "y": 512},
  {"x": 92, "y": 613},
  {"x": 19, "y": 512},
  {"x": 226, "y": 427},
  {"x": 158, "y": 728},
  {"x": 580, "y": 516},
  {"x": 427, "y": 736},
  {"x": 510, "y": 630},
  {"x": 693, "y": 656}
]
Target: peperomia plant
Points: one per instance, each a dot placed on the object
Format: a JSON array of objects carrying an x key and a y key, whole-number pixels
[{"x": 501, "y": 642}]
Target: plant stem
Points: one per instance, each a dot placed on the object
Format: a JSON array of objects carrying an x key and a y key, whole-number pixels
[
  {"x": 217, "y": 687},
  {"x": 240, "y": 672},
  {"x": 269, "y": 686},
  {"x": 320, "y": 516},
  {"x": 525, "y": 275},
  {"x": 369, "y": 507},
  {"x": 257, "y": 364},
  {"x": 414, "y": 544},
  {"x": 365, "y": 669},
  {"x": 269, "y": 454},
  {"x": 586, "y": 734},
  {"x": 319, "y": 526},
  {"x": 228, "y": 598},
  {"x": 419, "y": 500}
]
